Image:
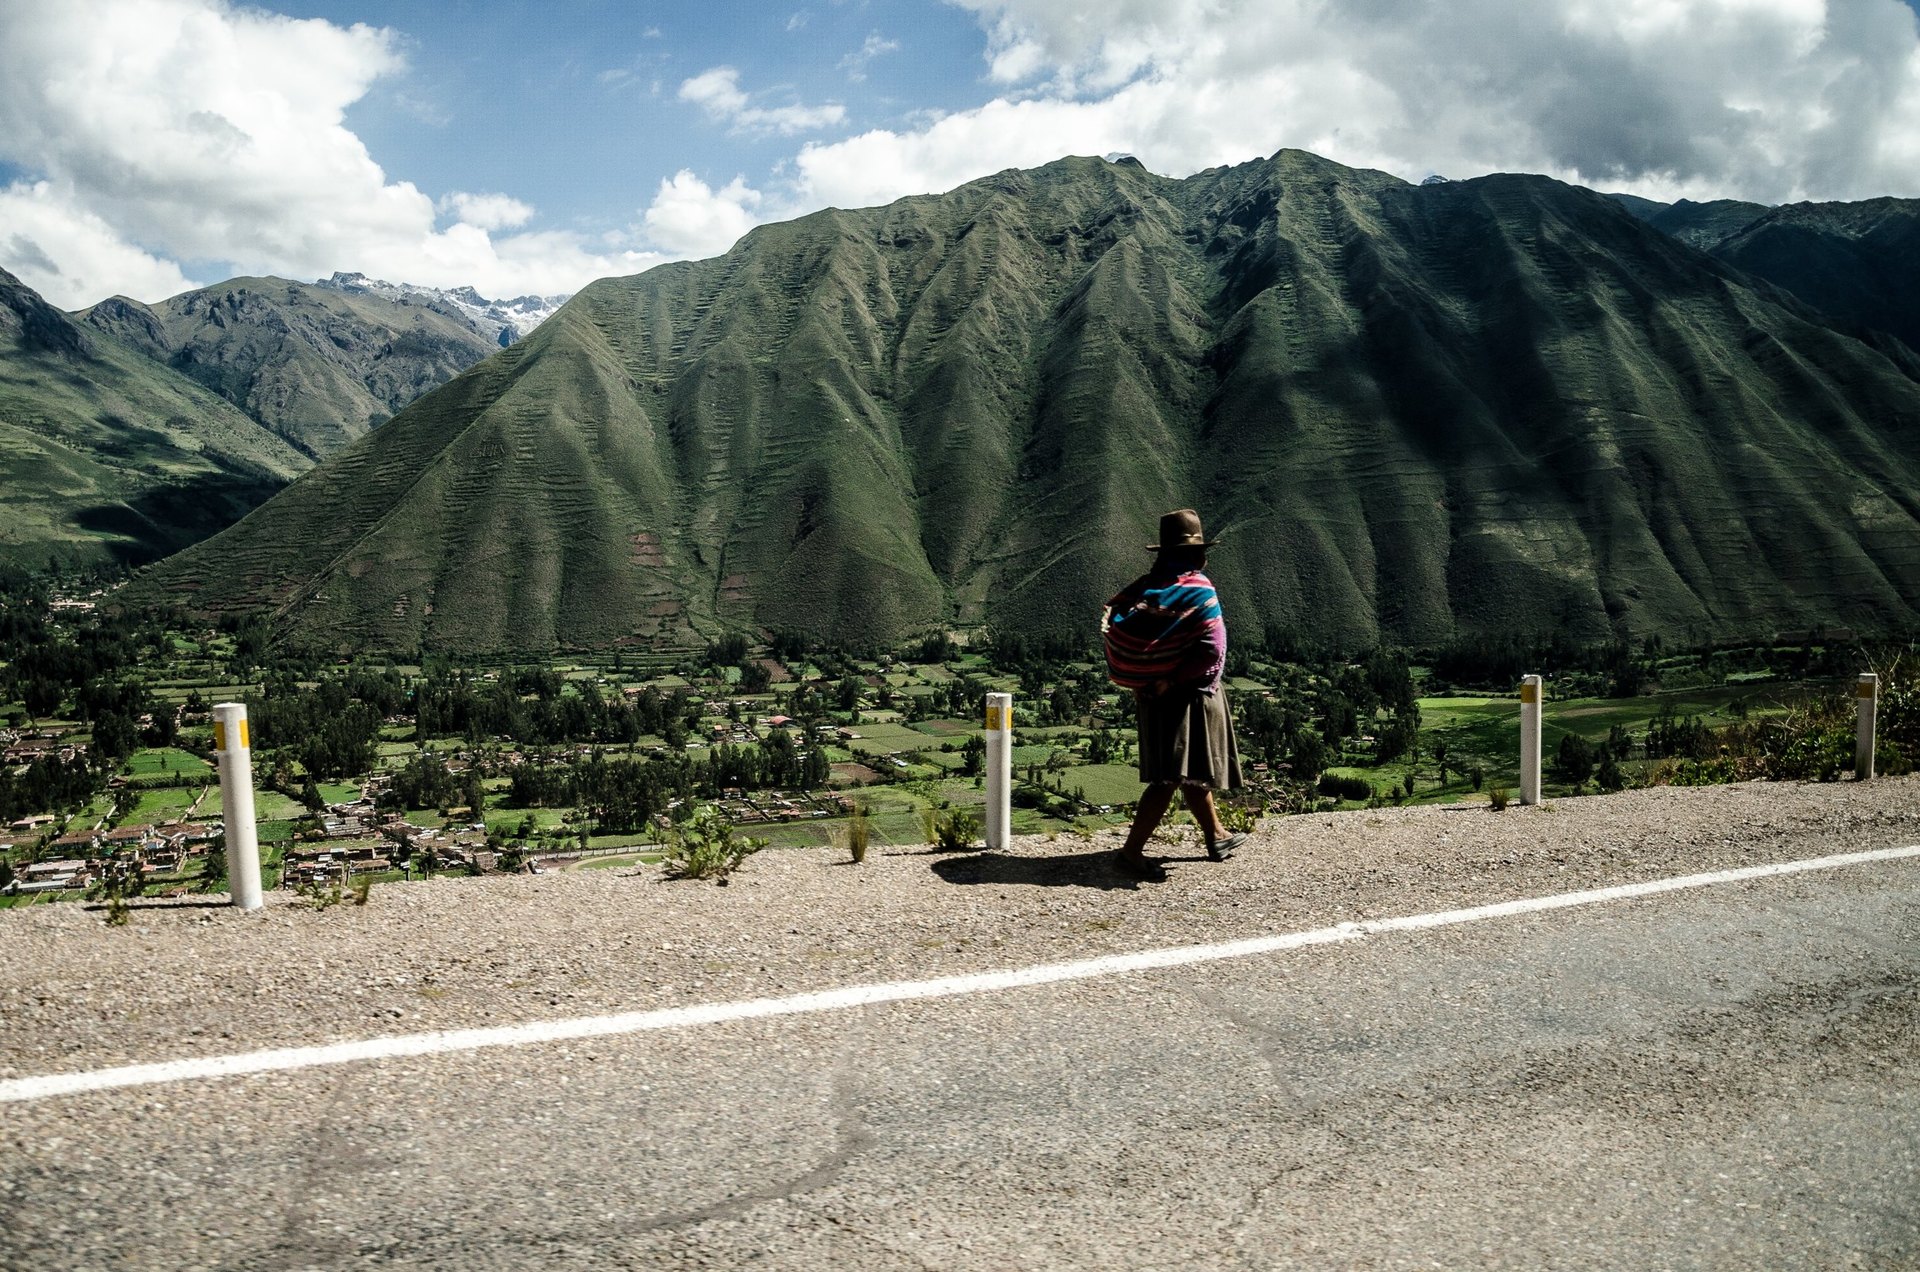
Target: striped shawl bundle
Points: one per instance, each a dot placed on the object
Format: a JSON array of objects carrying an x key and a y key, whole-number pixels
[{"x": 1166, "y": 627}]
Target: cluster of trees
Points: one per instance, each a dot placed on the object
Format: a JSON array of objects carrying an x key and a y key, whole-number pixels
[
  {"x": 329, "y": 728},
  {"x": 774, "y": 763},
  {"x": 48, "y": 783},
  {"x": 534, "y": 707},
  {"x": 427, "y": 782},
  {"x": 620, "y": 795},
  {"x": 1577, "y": 759}
]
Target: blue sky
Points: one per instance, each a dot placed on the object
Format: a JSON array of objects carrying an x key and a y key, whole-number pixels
[
  {"x": 149, "y": 146},
  {"x": 574, "y": 104}
]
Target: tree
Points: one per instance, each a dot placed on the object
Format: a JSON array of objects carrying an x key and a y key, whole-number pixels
[
  {"x": 213, "y": 871},
  {"x": 1573, "y": 762},
  {"x": 847, "y": 692},
  {"x": 42, "y": 698},
  {"x": 114, "y": 736}
]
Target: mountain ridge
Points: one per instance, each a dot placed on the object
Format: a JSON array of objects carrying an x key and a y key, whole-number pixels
[
  {"x": 107, "y": 457},
  {"x": 1413, "y": 412},
  {"x": 317, "y": 365}
]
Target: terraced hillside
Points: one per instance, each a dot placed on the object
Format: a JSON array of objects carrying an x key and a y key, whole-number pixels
[
  {"x": 1494, "y": 405},
  {"x": 105, "y": 456},
  {"x": 320, "y": 366}
]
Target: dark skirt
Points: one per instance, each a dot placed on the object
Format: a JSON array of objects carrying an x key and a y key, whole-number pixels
[{"x": 1187, "y": 737}]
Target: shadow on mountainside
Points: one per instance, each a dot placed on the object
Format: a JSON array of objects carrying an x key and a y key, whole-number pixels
[{"x": 1067, "y": 869}]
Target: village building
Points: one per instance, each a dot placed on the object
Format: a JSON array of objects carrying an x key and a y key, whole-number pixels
[{"x": 53, "y": 876}]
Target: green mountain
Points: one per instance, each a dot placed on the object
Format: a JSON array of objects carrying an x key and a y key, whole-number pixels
[
  {"x": 105, "y": 456},
  {"x": 1859, "y": 262},
  {"x": 1699, "y": 225},
  {"x": 1489, "y": 406},
  {"x": 320, "y": 366}
]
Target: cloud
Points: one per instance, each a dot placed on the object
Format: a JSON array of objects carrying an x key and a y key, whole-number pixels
[
  {"x": 487, "y": 211},
  {"x": 855, "y": 63},
  {"x": 72, "y": 257},
  {"x": 688, "y": 218},
  {"x": 717, "y": 91},
  {"x": 1771, "y": 100},
  {"x": 196, "y": 130}
]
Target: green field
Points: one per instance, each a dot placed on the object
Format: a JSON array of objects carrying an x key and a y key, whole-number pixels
[
  {"x": 889, "y": 739},
  {"x": 267, "y": 806},
  {"x": 165, "y": 804},
  {"x": 167, "y": 760},
  {"x": 1112, "y": 784}
]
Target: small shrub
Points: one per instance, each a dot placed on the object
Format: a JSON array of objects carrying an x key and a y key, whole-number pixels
[
  {"x": 957, "y": 830},
  {"x": 1346, "y": 788},
  {"x": 119, "y": 881},
  {"x": 858, "y": 831},
  {"x": 319, "y": 896},
  {"x": 1890, "y": 761},
  {"x": 1240, "y": 816},
  {"x": 705, "y": 847},
  {"x": 361, "y": 889},
  {"x": 1497, "y": 799}
]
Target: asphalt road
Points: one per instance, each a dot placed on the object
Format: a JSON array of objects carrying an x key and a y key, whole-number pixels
[{"x": 1726, "y": 1077}]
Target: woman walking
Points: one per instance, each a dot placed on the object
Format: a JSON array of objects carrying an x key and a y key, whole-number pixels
[{"x": 1166, "y": 639}]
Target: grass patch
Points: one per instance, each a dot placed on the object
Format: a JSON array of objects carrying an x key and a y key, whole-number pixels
[{"x": 167, "y": 760}]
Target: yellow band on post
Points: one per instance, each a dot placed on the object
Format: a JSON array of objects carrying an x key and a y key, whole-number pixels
[
  {"x": 993, "y": 719},
  {"x": 244, "y": 741},
  {"x": 1529, "y": 693},
  {"x": 219, "y": 735},
  {"x": 1865, "y": 690}
]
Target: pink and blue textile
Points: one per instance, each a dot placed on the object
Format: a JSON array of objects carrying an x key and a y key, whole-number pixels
[{"x": 1164, "y": 626}]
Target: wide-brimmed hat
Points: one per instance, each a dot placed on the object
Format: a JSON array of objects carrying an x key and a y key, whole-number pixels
[{"x": 1181, "y": 529}]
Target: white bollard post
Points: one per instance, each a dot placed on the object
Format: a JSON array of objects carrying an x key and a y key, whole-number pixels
[
  {"x": 999, "y": 770},
  {"x": 233, "y": 750},
  {"x": 1867, "y": 701},
  {"x": 1531, "y": 692}
]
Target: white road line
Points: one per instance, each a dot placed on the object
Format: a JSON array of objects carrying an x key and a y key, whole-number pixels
[{"x": 423, "y": 1044}]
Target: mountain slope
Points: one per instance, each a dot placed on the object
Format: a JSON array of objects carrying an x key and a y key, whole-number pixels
[
  {"x": 318, "y": 365},
  {"x": 1857, "y": 261},
  {"x": 1698, "y": 225},
  {"x": 105, "y": 456},
  {"x": 1410, "y": 412}
]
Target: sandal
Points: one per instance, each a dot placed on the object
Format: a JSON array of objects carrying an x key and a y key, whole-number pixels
[{"x": 1220, "y": 850}]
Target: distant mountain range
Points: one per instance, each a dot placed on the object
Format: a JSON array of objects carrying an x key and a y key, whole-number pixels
[
  {"x": 1411, "y": 413},
  {"x": 105, "y": 455},
  {"x": 316, "y": 364},
  {"x": 509, "y": 319},
  {"x": 319, "y": 365}
]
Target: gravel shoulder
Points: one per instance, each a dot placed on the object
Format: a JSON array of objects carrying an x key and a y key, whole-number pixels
[{"x": 184, "y": 981}]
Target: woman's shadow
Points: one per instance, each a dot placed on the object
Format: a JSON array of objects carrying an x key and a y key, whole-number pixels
[{"x": 1060, "y": 870}]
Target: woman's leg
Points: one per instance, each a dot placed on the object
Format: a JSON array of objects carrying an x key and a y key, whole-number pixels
[
  {"x": 1146, "y": 816},
  {"x": 1205, "y": 815}
]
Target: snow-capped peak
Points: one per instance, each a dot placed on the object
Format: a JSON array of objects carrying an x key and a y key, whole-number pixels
[{"x": 510, "y": 319}]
